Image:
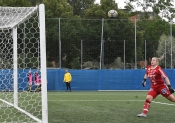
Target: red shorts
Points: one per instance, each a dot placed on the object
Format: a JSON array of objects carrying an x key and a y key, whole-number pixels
[{"x": 163, "y": 90}]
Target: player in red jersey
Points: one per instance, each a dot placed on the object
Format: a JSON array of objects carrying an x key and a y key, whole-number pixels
[{"x": 160, "y": 84}]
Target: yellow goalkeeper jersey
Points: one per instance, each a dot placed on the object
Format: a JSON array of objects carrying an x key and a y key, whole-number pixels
[{"x": 67, "y": 77}]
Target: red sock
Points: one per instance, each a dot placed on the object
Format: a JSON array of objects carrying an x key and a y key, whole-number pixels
[{"x": 146, "y": 107}]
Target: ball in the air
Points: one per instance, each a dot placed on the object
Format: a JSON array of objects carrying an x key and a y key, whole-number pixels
[{"x": 112, "y": 14}]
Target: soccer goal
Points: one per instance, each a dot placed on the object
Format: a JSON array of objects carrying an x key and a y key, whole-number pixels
[{"x": 23, "y": 50}]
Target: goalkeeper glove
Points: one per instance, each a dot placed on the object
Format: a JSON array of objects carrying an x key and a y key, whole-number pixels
[
  {"x": 171, "y": 89},
  {"x": 144, "y": 82}
]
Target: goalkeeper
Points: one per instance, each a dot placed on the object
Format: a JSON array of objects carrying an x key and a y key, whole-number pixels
[
  {"x": 67, "y": 79},
  {"x": 158, "y": 86}
]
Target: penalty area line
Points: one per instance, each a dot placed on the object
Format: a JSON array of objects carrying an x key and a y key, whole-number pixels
[{"x": 163, "y": 103}]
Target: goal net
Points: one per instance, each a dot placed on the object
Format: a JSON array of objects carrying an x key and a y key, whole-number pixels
[{"x": 22, "y": 44}]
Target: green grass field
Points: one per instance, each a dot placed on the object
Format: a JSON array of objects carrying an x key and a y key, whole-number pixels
[
  {"x": 89, "y": 107},
  {"x": 107, "y": 107}
]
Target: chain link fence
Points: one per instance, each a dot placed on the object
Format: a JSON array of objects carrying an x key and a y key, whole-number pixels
[{"x": 108, "y": 43}]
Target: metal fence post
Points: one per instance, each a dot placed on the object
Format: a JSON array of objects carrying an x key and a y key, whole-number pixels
[
  {"x": 135, "y": 47},
  {"x": 171, "y": 43},
  {"x": 124, "y": 55},
  {"x": 102, "y": 43},
  {"x": 145, "y": 53},
  {"x": 81, "y": 54},
  {"x": 59, "y": 43}
]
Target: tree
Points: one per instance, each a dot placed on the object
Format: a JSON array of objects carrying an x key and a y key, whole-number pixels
[
  {"x": 116, "y": 30},
  {"x": 152, "y": 30},
  {"x": 166, "y": 39},
  {"x": 15, "y": 3},
  {"x": 35, "y": 2},
  {"x": 55, "y": 9},
  {"x": 164, "y": 8},
  {"x": 80, "y": 5},
  {"x": 71, "y": 35},
  {"x": 100, "y": 11},
  {"x": 58, "y": 8}
]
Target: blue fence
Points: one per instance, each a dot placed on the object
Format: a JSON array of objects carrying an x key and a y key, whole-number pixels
[
  {"x": 85, "y": 79},
  {"x": 102, "y": 79}
]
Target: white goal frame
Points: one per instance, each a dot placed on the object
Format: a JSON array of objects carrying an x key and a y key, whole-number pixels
[{"x": 12, "y": 24}]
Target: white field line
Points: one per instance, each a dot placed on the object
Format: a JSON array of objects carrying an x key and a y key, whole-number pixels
[
  {"x": 89, "y": 94},
  {"x": 97, "y": 100},
  {"x": 110, "y": 101},
  {"x": 163, "y": 103},
  {"x": 86, "y": 94}
]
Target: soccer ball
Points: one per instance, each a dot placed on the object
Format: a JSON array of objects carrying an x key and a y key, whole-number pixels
[{"x": 112, "y": 14}]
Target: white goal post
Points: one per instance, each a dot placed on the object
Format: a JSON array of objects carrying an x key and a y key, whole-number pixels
[{"x": 23, "y": 65}]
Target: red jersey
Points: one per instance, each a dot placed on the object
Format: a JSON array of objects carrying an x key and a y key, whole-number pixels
[{"x": 156, "y": 75}]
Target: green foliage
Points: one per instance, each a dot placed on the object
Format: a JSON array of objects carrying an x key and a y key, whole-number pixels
[
  {"x": 94, "y": 11},
  {"x": 35, "y": 2},
  {"x": 71, "y": 35},
  {"x": 52, "y": 44},
  {"x": 151, "y": 31},
  {"x": 165, "y": 44},
  {"x": 75, "y": 64},
  {"x": 113, "y": 35},
  {"x": 91, "y": 38},
  {"x": 81, "y": 20},
  {"x": 134, "y": 13},
  {"x": 163, "y": 7},
  {"x": 79, "y": 6},
  {"x": 100, "y": 11},
  {"x": 15, "y": 3},
  {"x": 115, "y": 32},
  {"x": 27, "y": 61},
  {"x": 49, "y": 64},
  {"x": 57, "y": 8}
]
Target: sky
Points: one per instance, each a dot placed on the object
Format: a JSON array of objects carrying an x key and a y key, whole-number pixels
[{"x": 121, "y": 3}]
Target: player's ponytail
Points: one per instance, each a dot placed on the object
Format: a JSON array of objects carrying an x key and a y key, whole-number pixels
[{"x": 159, "y": 59}]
